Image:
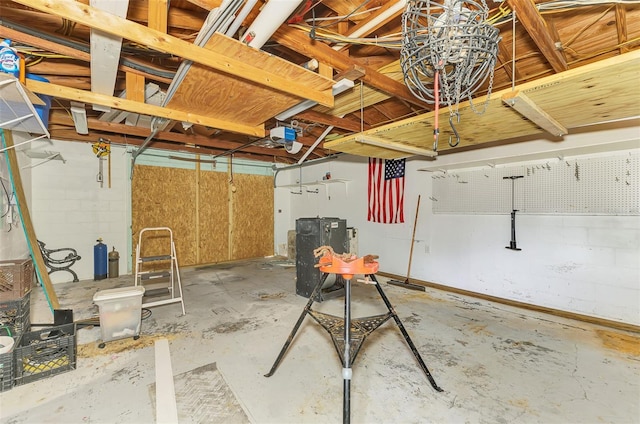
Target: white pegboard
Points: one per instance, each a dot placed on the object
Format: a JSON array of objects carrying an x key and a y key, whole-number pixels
[{"x": 580, "y": 186}]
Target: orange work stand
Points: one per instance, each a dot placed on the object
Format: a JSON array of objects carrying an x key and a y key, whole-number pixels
[{"x": 348, "y": 338}]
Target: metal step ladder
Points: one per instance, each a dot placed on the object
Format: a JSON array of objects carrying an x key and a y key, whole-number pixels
[{"x": 168, "y": 279}]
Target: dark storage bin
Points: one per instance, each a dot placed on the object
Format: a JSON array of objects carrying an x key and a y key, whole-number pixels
[
  {"x": 16, "y": 279},
  {"x": 46, "y": 352},
  {"x": 14, "y": 315},
  {"x": 312, "y": 233},
  {"x": 8, "y": 367}
]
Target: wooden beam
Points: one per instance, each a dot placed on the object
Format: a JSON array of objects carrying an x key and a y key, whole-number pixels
[
  {"x": 299, "y": 41},
  {"x": 621, "y": 27},
  {"x": 77, "y": 12},
  {"x": 135, "y": 84},
  {"x": 141, "y": 108},
  {"x": 527, "y": 108},
  {"x": 325, "y": 70},
  {"x": 206, "y": 4},
  {"x": 66, "y": 51},
  {"x": 71, "y": 135},
  {"x": 398, "y": 147},
  {"x": 135, "y": 87},
  {"x": 322, "y": 118},
  {"x": 139, "y": 11},
  {"x": 345, "y": 7},
  {"x": 352, "y": 73},
  {"x": 528, "y": 15},
  {"x": 27, "y": 224},
  {"x": 61, "y": 118},
  {"x": 158, "y": 14},
  {"x": 385, "y": 14},
  {"x": 383, "y": 17}
]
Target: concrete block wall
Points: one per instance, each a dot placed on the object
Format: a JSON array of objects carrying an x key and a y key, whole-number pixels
[
  {"x": 70, "y": 209},
  {"x": 582, "y": 264}
]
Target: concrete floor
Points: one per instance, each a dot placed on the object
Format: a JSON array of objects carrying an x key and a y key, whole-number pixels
[{"x": 497, "y": 364}]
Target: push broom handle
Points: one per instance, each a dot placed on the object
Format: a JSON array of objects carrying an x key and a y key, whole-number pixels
[{"x": 413, "y": 237}]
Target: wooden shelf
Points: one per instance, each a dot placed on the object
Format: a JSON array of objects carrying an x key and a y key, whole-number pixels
[{"x": 318, "y": 183}]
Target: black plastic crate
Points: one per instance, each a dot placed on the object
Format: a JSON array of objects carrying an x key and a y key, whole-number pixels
[
  {"x": 8, "y": 367},
  {"x": 45, "y": 352},
  {"x": 14, "y": 315}
]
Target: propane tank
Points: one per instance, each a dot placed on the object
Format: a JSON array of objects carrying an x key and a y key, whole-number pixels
[
  {"x": 99, "y": 261},
  {"x": 114, "y": 259}
]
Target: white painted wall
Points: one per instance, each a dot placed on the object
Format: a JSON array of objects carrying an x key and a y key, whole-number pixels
[
  {"x": 70, "y": 209},
  {"x": 582, "y": 264},
  {"x": 13, "y": 242}
]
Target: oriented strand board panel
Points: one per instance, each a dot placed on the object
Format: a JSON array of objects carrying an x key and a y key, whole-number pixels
[
  {"x": 164, "y": 197},
  {"x": 588, "y": 95},
  {"x": 213, "y": 213},
  {"x": 252, "y": 220},
  {"x": 230, "y": 98}
]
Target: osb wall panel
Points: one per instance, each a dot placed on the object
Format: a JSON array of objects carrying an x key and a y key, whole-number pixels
[
  {"x": 252, "y": 218},
  {"x": 164, "y": 197},
  {"x": 213, "y": 215}
]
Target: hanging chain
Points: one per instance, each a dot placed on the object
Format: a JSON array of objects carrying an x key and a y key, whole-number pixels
[{"x": 458, "y": 43}]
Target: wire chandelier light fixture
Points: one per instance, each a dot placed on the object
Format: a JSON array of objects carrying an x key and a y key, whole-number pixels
[{"x": 448, "y": 50}]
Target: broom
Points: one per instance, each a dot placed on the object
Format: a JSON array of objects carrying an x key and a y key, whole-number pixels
[{"x": 406, "y": 283}]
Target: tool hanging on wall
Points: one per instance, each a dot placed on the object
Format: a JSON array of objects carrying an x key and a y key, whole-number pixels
[
  {"x": 101, "y": 149},
  {"x": 231, "y": 183},
  {"x": 406, "y": 283},
  {"x": 512, "y": 243}
]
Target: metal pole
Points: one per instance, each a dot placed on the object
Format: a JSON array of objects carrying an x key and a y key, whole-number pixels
[
  {"x": 512, "y": 243},
  {"x": 346, "y": 370}
]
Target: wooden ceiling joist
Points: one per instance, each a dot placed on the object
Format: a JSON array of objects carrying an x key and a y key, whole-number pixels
[
  {"x": 299, "y": 41},
  {"x": 206, "y": 4},
  {"x": 588, "y": 95},
  {"x": 140, "y": 11},
  {"x": 60, "y": 118},
  {"x": 621, "y": 27},
  {"x": 398, "y": 147},
  {"x": 136, "y": 107},
  {"x": 528, "y": 15},
  {"x": 50, "y": 46},
  {"x": 158, "y": 15},
  {"x": 68, "y": 134},
  {"x": 77, "y": 12},
  {"x": 349, "y": 124}
]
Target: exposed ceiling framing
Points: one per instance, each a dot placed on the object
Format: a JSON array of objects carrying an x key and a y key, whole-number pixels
[{"x": 568, "y": 56}]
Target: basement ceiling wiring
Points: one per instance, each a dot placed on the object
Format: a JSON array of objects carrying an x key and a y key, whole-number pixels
[{"x": 86, "y": 49}]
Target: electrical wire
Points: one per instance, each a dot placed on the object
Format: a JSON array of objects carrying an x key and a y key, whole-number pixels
[
  {"x": 333, "y": 18},
  {"x": 342, "y": 19},
  {"x": 86, "y": 49},
  {"x": 6, "y": 193},
  {"x": 392, "y": 42},
  {"x": 586, "y": 27}
]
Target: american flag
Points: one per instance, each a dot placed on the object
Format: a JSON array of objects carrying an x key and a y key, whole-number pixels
[{"x": 386, "y": 191}]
